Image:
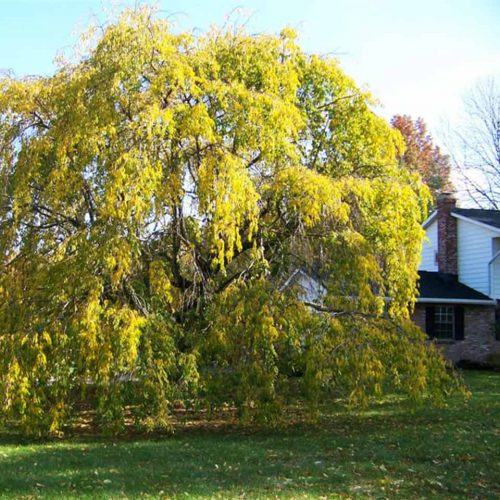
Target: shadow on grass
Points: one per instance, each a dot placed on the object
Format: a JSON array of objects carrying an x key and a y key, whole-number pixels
[{"x": 387, "y": 451}]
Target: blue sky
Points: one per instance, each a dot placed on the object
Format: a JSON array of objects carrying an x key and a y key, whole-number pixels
[{"x": 417, "y": 57}]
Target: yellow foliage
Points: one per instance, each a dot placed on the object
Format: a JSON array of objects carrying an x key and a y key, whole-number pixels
[
  {"x": 311, "y": 196},
  {"x": 155, "y": 194},
  {"x": 228, "y": 196}
]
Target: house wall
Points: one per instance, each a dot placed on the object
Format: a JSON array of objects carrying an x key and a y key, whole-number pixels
[
  {"x": 311, "y": 290},
  {"x": 495, "y": 269},
  {"x": 429, "y": 249},
  {"x": 474, "y": 253},
  {"x": 308, "y": 289},
  {"x": 418, "y": 316},
  {"x": 479, "y": 334}
]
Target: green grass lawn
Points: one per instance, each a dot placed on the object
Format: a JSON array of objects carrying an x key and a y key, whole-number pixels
[{"x": 389, "y": 451}]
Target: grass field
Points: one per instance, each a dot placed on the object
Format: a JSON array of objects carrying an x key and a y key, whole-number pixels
[{"x": 390, "y": 451}]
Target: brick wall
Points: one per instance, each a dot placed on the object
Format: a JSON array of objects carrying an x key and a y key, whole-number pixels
[
  {"x": 418, "y": 316},
  {"x": 479, "y": 334},
  {"x": 447, "y": 256}
]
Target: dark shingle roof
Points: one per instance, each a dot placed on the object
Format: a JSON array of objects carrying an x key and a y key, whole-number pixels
[
  {"x": 489, "y": 217},
  {"x": 434, "y": 285}
]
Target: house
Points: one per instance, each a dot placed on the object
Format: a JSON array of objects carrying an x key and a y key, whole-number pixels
[
  {"x": 309, "y": 287},
  {"x": 459, "y": 283}
]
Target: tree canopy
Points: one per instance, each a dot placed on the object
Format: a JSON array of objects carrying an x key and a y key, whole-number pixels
[{"x": 154, "y": 196}]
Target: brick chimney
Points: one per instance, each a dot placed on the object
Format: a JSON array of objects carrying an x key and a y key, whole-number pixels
[{"x": 447, "y": 256}]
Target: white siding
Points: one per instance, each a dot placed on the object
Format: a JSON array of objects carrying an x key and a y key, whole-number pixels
[
  {"x": 474, "y": 253},
  {"x": 308, "y": 289},
  {"x": 311, "y": 290},
  {"x": 429, "y": 249},
  {"x": 495, "y": 270}
]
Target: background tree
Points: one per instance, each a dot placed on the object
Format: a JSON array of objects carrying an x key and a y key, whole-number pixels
[
  {"x": 422, "y": 155},
  {"x": 156, "y": 193},
  {"x": 475, "y": 145}
]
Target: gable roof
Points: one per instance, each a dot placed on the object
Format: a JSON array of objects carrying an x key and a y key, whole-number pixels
[
  {"x": 427, "y": 222},
  {"x": 488, "y": 217},
  {"x": 480, "y": 216},
  {"x": 445, "y": 288}
]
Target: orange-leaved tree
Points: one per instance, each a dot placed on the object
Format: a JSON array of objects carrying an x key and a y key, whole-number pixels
[{"x": 422, "y": 155}]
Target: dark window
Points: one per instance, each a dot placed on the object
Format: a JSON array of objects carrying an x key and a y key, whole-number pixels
[{"x": 444, "y": 322}]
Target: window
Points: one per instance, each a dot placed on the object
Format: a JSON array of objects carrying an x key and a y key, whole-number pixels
[{"x": 443, "y": 322}]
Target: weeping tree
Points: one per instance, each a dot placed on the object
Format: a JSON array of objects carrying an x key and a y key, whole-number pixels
[{"x": 154, "y": 196}]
